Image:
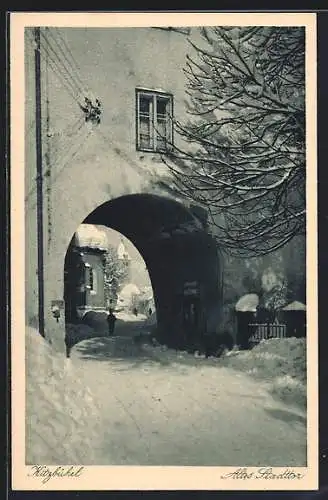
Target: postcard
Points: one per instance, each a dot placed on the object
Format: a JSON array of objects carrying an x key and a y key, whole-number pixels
[{"x": 164, "y": 251}]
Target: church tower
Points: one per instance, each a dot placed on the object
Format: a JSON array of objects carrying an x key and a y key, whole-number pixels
[{"x": 123, "y": 255}]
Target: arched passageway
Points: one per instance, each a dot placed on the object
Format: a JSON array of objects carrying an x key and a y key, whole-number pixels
[{"x": 181, "y": 259}]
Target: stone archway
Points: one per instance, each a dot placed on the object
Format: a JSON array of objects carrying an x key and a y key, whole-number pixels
[{"x": 181, "y": 258}]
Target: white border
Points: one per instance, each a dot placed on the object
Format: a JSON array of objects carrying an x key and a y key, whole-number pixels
[{"x": 148, "y": 478}]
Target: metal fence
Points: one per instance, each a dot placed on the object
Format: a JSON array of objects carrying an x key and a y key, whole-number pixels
[{"x": 261, "y": 331}]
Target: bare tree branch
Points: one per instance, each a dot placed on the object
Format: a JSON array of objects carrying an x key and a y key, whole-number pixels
[{"x": 244, "y": 157}]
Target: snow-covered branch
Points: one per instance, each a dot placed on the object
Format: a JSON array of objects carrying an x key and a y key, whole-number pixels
[{"x": 244, "y": 153}]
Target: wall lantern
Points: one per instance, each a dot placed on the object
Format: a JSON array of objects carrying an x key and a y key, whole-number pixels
[
  {"x": 56, "y": 312},
  {"x": 56, "y": 306}
]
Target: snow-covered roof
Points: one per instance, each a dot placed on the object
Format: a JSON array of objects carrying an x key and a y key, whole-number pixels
[
  {"x": 89, "y": 235},
  {"x": 295, "y": 306},
  {"x": 247, "y": 303}
]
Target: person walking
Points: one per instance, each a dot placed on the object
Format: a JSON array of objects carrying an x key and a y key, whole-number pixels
[{"x": 111, "y": 318}]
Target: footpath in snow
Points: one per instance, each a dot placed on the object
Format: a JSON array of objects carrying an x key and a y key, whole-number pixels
[{"x": 116, "y": 403}]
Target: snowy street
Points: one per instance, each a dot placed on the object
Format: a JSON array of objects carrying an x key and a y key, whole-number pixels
[{"x": 159, "y": 407}]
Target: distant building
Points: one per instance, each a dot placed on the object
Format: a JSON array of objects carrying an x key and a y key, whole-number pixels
[
  {"x": 123, "y": 255},
  {"x": 84, "y": 272}
]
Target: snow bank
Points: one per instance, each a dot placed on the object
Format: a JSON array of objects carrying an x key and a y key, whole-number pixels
[
  {"x": 281, "y": 362},
  {"x": 290, "y": 389},
  {"x": 62, "y": 417}
]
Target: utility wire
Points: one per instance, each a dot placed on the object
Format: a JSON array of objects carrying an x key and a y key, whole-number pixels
[
  {"x": 62, "y": 147},
  {"x": 77, "y": 150},
  {"x": 73, "y": 61},
  {"x": 72, "y": 71},
  {"x": 68, "y": 74},
  {"x": 70, "y": 130},
  {"x": 64, "y": 158},
  {"x": 107, "y": 141},
  {"x": 54, "y": 66},
  {"x": 58, "y": 71},
  {"x": 59, "y": 66},
  {"x": 62, "y": 62}
]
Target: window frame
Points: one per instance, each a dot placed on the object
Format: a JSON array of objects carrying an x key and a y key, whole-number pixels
[{"x": 154, "y": 94}]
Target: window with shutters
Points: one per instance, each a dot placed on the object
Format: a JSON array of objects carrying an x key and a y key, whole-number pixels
[{"x": 154, "y": 121}]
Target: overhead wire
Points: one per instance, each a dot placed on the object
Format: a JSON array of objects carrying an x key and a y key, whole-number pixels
[
  {"x": 58, "y": 71},
  {"x": 66, "y": 147},
  {"x": 54, "y": 62},
  {"x": 70, "y": 130},
  {"x": 73, "y": 154},
  {"x": 61, "y": 147},
  {"x": 64, "y": 162},
  {"x": 62, "y": 62},
  {"x": 68, "y": 52},
  {"x": 61, "y": 58},
  {"x": 73, "y": 72},
  {"x": 118, "y": 151},
  {"x": 60, "y": 67},
  {"x": 67, "y": 72}
]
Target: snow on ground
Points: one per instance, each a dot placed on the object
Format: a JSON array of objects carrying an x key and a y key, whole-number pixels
[
  {"x": 62, "y": 416},
  {"x": 279, "y": 362},
  {"x": 128, "y": 317},
  {"x": 117, "y": 403}
]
